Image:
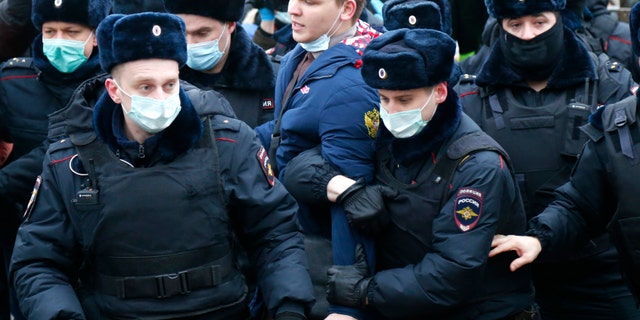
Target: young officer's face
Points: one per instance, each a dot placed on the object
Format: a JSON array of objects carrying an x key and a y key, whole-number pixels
[
  {"x": 152, "y": 78},
  {"x": 312, "y": 18},
  {"x": 529, "y": 27},
  {"x": 394, "y": 101},
  {"x": 70, "y": 31}
]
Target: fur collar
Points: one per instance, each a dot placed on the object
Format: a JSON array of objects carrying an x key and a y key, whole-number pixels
[
  {"x": 181, "y": 135},
  {"x": 444, "y": 123},
  {"x": 247, "y": 67},
  {"x": 574, "y": 66}
]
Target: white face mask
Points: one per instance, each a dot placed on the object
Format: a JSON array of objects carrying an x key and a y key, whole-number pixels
[
  {"x": 408, "y": 123},
  {"x": 152, "y": 115},
  {"x": 322, "y": 43}
]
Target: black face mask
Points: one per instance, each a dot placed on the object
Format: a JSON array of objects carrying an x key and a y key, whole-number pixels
[{"x": 533, "y": 59}]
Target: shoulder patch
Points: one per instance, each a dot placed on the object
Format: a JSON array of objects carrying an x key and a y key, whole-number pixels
[
  {"x": 265, "y": 165},
  {"x": 267, "y": 104},
  {"x": 372, "y": 121},
  {"x": 467, "y": 208},
  {"x": 32, "y": 199}
]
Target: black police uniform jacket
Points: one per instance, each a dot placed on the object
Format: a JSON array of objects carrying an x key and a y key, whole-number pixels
[
  {"x": 432, "y": 261},
  {"x": 30, "y": 90},
  {"x": 105, "y": 239},
  {"x": 247, "y": 80},
  {"x": 539, "y": 131},
  {"x": 602, "y": 192}
]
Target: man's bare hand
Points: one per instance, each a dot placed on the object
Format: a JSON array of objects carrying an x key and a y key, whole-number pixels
[
  {"x": 337, "y": 316},
  {"x": 526, "y": 247}
]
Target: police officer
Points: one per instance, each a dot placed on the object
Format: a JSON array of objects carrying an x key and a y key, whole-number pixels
[
  {"x": 537, "y": 86},
  {"x": 601, "y": 195},
  {"x": 136, "y": 218},
  {"x": 64, "y": 55},
  {"x": 221, "y": 56},
  {"x": 443, "y": 189}
]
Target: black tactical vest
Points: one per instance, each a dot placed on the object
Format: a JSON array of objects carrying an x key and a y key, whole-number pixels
[
  {"x": 622, "y": 140},
  {"x": 551, "y": 131},
  {"x": 160, "y": 232}
]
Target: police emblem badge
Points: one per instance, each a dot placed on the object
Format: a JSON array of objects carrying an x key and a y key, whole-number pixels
[
  {"x": 467, "y": 208},
  {"x": 265, "y": 165}
]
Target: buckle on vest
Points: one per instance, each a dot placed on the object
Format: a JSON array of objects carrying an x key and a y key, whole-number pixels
[
  {"x": 620, "y": 119},
  {"x": 172, "y": 284}
]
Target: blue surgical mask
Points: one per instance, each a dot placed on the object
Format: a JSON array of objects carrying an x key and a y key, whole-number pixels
[
  {"x": 322, "y": 43},
  {"x": 204, "y": 56},
  {"x": 152, "y": 115},
  {"x": 65, "y": 55},
  {"x": 406, "y": 124}
]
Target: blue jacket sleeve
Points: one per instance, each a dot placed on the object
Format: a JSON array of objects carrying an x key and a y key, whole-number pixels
[
  {"x": 46, "y": 257},
  {"x": 449, "y": 274}
]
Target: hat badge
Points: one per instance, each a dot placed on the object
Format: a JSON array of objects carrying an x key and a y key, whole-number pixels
[
  {"x": 382, "y": 73},
  {"x": 412, "y": 20},
  {"x": 156, "y": 30},
  {"x": 57, "y": 3}
]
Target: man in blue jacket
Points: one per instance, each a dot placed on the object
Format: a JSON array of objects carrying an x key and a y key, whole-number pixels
[
  {"x": 321, "y": 99},
  {"x": 136, "y": 218}
]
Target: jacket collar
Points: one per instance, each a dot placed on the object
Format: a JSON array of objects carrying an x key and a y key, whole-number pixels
[
  {"x": 181, "y": 135},
  {"x": 443, "y": 125}
]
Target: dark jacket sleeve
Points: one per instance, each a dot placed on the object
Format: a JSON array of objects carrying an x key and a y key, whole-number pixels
[
  {"x": 46, "y": 258},
  {"x": 16, "y": 29},
  {"x": 21, "y": 174},
  {"x": 582, "y": 208},
  {"x": 450, "y": 273},
  {"x": 265, "y": 214}
]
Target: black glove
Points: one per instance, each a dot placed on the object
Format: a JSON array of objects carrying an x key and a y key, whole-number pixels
[
  {"x": 349, "y": 285},
  {"x": 364, "y": 206},
  {"x": 288, "y": 315}
]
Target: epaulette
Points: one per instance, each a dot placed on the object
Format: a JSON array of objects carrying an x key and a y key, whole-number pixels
[
  {"x": 467, "y": 78},
  {"x": 22, "y": 62},
  {"x": 222, "y": 122},
  {"x": 614, "y": 66},
  {"x": 61, "y": 144}
]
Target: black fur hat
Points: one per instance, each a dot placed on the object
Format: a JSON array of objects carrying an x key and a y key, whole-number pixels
[
  {"x": 223, "y": 10},
  {"x": 148, "y": 35},
  {"x": 634, "y": 24},
  {"x": 406, "y": 59},
  {"x": 87, "y": 12},
  {"x": 501, "y": 9},
  {"x": 412, "y": 14}
]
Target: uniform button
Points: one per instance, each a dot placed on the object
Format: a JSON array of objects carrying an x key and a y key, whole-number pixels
[{"x": 226, "y": 121}]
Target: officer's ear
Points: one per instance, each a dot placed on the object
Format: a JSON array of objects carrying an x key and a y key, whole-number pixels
[
  {"x": 441, "y": 92},
  {"x": 112, "y": 90}
]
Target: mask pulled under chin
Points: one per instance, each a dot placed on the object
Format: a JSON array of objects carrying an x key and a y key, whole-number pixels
[{"x": 534, "y": 59}]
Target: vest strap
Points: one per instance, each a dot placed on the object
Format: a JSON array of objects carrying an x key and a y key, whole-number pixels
[
  {"x": 166, "y": 285},
  {"x": 623, "y": 132},
  {"x": 497, "y": 111}
]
